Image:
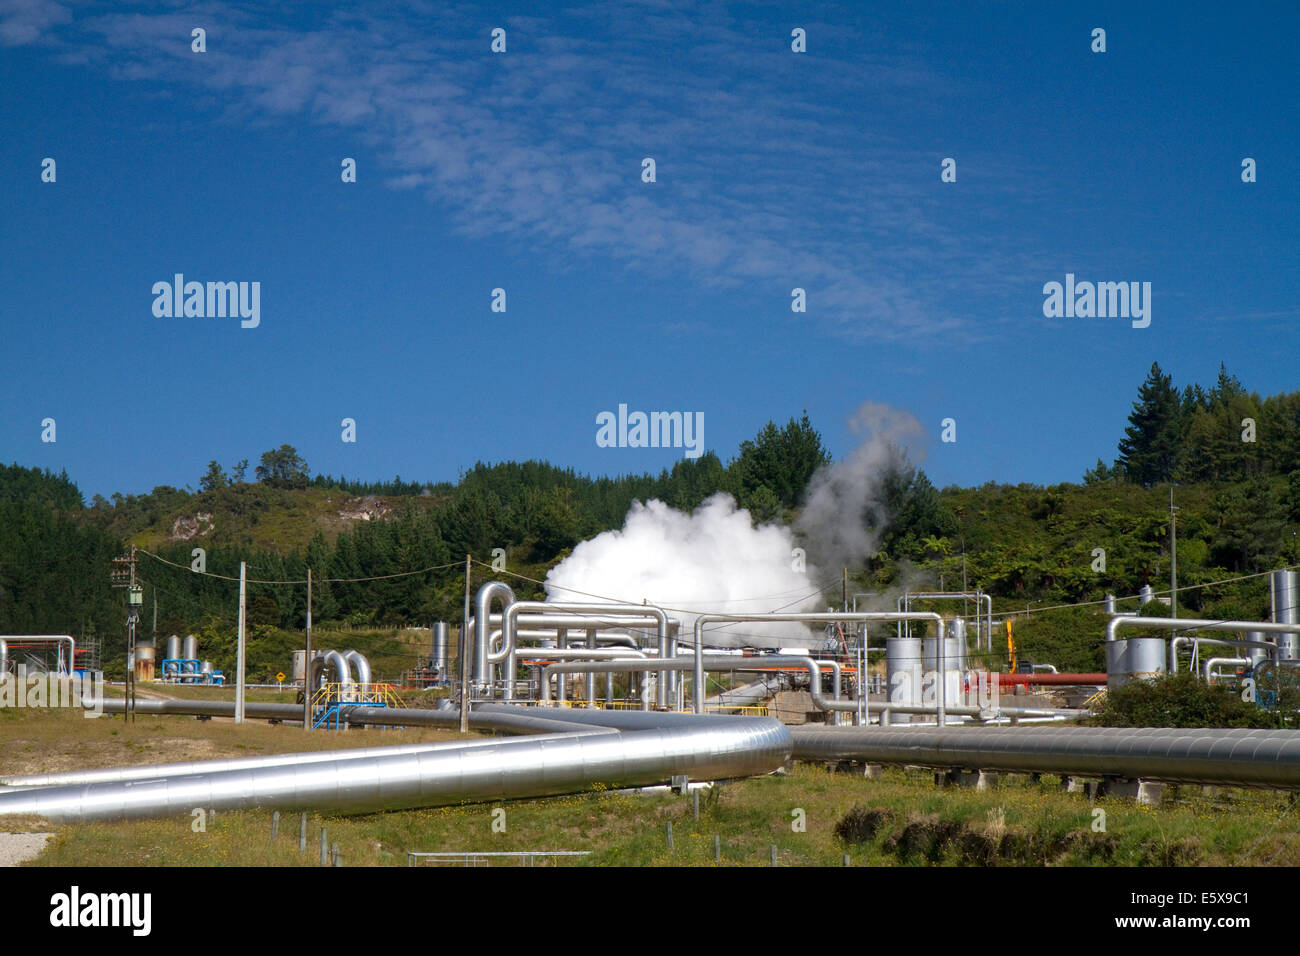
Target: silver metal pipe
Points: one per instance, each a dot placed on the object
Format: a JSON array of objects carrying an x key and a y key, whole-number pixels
[
  {"x": 360, "y": 666},
  {"x": 698, "y": 692},
  {"x": 498, "y": 651},
  {"x": 483, "y": 598},
  {"x": 904, "y": 603},
  {"x": 1214, "y": 662},
  {"x": 4, "y": 658},
  {"x": 550, "y": 621},
  {"x": 1248, "y": 758},
  {"x": 1284, "y": 596},
  {"x": 327, "y": 664},
  {"x": 582, "y": 654},
  {"x": 596, "y": 612},
  {"x": 1192, "y": 624},
  {"x": 17, "y": 640},
  {"x": 1184, "y": 640},
  {"x": 440, "y": 639},
  {"x": 552, "y": 764},
  {"x": 746, "y": 695},
  {"x": 720, "y": 663}
]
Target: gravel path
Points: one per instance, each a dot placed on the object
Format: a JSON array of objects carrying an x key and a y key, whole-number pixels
[{"x": 17, "y": 847}]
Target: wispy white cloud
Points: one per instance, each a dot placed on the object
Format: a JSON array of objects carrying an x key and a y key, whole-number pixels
[{"x": 771, "y": 173}]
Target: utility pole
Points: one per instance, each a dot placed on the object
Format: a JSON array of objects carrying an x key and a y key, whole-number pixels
[
  {"x": 1173, "y": 558},
  {"x": 122, "y": 575},
  {"x": 462, "y": 653},
  {"x": 239, "y": 665},
  {"x": 306, "y": 665}
]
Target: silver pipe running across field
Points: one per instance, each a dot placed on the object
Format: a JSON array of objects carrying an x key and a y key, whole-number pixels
[
  {"x": 608, "y": 754},
  {"x": 1246, "y": 758}
]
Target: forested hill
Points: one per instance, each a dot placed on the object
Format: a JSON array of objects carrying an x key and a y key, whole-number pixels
[{"x": 1234, "y": 456}]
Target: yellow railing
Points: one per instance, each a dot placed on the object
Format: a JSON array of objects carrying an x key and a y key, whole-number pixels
[
  {"x": 1093, "y": 702},
  {"x": 377, "y": 693},
  {"x": 748, "y": 710}
]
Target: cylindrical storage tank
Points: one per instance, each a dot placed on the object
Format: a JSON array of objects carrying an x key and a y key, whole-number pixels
[
  {"x": 441, "y": 640},
  {"x": 957, "y": 634},
  {"x": 1283, "y": 590},
  {"x": 144, "y": 660},
  {"x": 1111, "y": 606},
  {"x": 1147, "y": 656},
  {"x": 190, "y": 651},
  {"x": 299, "y": 666},
  {"x": 173, "y": 648},
  {"x": 904, "y": 670},
  {"x": 1146, "y": 594},
  {"x": 205, "y": 672},
  {"x": 1135, "y": 659},
  {"x": 953, "y": 656}
]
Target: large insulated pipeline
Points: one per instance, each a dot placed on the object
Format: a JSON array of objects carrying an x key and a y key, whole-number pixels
[
  {"x": 515, "y": 722},
  {"x": 708, "y": 748},
  {"x": 360, "y": 666},
  {"x": 1247, "y": 758}
]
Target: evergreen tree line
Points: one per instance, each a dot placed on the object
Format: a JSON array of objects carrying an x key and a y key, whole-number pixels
[{"x": 1223, "y": 433}]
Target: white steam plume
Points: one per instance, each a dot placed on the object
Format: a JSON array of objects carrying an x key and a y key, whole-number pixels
[
  {"x": 845, "y": 505},
  {"x": 713, "y": 560}
]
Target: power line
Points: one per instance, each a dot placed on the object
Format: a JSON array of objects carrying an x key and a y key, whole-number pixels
[{"x": 377, "y": 577}]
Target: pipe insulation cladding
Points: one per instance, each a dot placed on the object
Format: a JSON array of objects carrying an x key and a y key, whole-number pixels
[
  {"x": 576, "y": 760},
  {"x": 1245, "y": 758}
]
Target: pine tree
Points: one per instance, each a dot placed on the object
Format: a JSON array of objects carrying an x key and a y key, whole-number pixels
[
  {"x": 1149, "y": 449},
  {"x": 214, "y": 478}
]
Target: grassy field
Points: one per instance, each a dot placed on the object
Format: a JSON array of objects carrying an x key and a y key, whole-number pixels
[
  {"x": 48, "y": 741},
  {"x": 902, "y": 819}
]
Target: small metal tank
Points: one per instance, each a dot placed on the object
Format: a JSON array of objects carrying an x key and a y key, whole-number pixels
[
  {"x": 190, "y": 650},
  {"x": 299, "y": 666},
  {"x": 1285, "y": 600},
  {"x": 144, "y": 661},
  {"x": 441, "y": 639},
  {"x": 954, "y": 656},
  {"x": 205, "y": 672},
  {"x": 904, "y": 670},
  {"x": 1134, "y": 659},
  {"x": 173, "y": 648}
]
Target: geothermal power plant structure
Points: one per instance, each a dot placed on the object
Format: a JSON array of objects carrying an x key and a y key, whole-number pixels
[{"x": 581, "y": 696}]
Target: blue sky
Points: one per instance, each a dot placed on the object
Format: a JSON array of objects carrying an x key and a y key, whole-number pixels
[{"x": 522, "y": 170}]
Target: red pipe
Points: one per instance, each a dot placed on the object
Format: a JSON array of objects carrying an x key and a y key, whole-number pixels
[{"x": 1051, "y": 679}]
